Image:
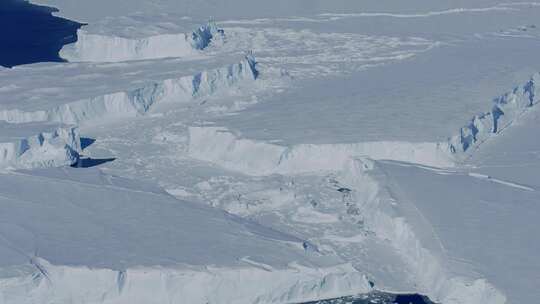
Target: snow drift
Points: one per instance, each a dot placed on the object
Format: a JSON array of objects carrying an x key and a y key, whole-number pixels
[
  {"x": 138, "y": 101},
  {"x": 102, "y": 48},
  {"x": 219, "y": 146},
  {"x": 38, "y": 145},
  {"x": 504, "y": 111}
]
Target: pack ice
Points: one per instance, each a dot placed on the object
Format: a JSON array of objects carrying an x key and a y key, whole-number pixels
[{"x": 282, "y": 152}]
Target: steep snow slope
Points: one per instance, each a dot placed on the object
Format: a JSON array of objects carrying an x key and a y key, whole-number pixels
[{"x": 113, "y": 240}]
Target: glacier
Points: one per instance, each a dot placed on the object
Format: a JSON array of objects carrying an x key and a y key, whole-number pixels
[{"x": 283, "y": 152}]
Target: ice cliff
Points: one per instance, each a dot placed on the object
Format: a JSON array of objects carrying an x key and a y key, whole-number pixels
[
  {"x": 132, "y": 103},
  {"x": 102, "y": 48},
  {"x": 399, "y": 223},
  {"x": 505, "y": 110},
  {"x": 38, "y": 145},
  {"x": 251, "y": 157}
]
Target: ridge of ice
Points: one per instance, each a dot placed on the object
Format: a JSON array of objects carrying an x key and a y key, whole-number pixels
[
  {"x": 36, "y": 145},
  {"x": 147, "y": 247},
  {"x": 138, "y": 101},
  {"x": 217, "y": 145},
  {"x": 426, "y": 266},
  {"x": 62, "y": 284},
  {"x": 504, "y": 111},
  {"x": 101, "y": 48}
]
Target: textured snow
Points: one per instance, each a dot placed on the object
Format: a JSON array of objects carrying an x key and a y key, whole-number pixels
[
  {"x": 101, "y": 48},
  {"x": 258, "y": 158},
  {"x": 146, "y": 248},
  {"x": 505, "y": 110},
  {"x": 393, "y": 218},
  {"x": 38, "y": 145},
  {"x": 126, "y": 104},
  {"x": 337, "y": 159}
]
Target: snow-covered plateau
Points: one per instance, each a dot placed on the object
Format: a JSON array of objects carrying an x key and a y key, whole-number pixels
[{"x": 281, "y": 151}]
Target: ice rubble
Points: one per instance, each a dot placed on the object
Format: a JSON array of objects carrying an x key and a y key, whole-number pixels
[
  {"x": 38, "y": 145},
  {"x": 218, "y": 145},
  {"x": 136, "y": 244},
  {"x": 101, "y": 48},
  {"x": 505, "y": 110},
  {"x": 131, "y": 103},
  {"x": 398, "y": 222},
  {"x": 426, "y": 264}
]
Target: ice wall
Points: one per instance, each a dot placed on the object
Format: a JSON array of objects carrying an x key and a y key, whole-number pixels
[
  {"x": 126, "y": 104},
  {"x": 426, "y": 262},
  {"x": 220, "y": 146},
  {"x": 505, "y": 109},
  {"x": 83, "y": 236},
  {"x": 62, "y": 284},
  {"x": 38, "y": 146},
  {"x": 102, "y": 48}
]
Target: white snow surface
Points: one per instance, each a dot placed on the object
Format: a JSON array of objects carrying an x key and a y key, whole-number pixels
[
  {"x": 369, "y": 141},
  {"x": 393, "y": 218}
]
